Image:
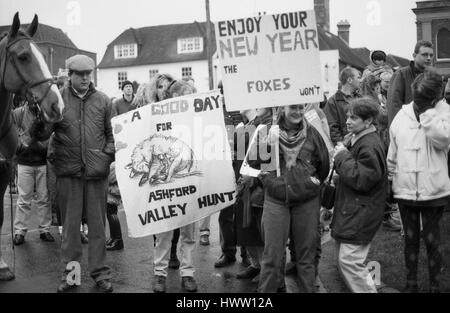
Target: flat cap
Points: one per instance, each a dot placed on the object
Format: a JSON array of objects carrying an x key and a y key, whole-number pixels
[{"x": 80, "y": 62}]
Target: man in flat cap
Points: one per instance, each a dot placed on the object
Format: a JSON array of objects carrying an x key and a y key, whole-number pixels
[{"x": 83, "y": 150}]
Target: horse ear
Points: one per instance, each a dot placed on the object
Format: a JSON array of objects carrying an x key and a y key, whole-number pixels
[
  {"x": 33, "y": 26},
  {"x": 15, "y": 26}
]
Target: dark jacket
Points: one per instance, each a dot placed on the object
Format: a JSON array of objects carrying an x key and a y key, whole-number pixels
[
  {"x": 83, "y": 141},
  {"x": 336, "y": 113},
  {"x": 30, "y": 151},
  {"x": 361, "y": 191},
  {"x": 297, "y": 185},
  {"x": 120, "y": 106},
  {"x": 400, "y": 91}
]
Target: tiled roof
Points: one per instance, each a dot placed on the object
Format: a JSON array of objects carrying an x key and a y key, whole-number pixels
[
  {"x": 46, "y": 33},
  {"x": 157, "y": 44},
  {"x": 329, "y": 41}
]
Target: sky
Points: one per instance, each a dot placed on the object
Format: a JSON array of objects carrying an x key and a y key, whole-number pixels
[{"x": 92, "y": 24}]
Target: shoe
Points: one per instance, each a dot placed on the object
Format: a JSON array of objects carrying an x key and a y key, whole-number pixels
[
  {"x": 84, "y": 238},
  {"x": 204, "y": 240},
  {"x": 116, "y": 244},
  {"x": 411, "y": 288},
  {"x": 188, "y": 283},
  {"x": 64, "y": 286},
  {"x": 104, "y": 285},
  {"x": 246, "y": 262},
  {"x": 256, "y": 279},
  {"x": 224, "y": 261},
  {"x": 392, "y": 224},
  {"x": 291, "y": 269},
  {"x": 435, "y": 289},
  {"x": 282, "y": 289},
  {"x": 174, "y": 263},
  {"x": 248, "y": 273},
  {"x": 108, "y": 242},
  {"x": 159, "y": 285},
  {"x": 47, "y": 237},
  {"x": 6, "y": 274},
  {"x": 18, "y": 239}
]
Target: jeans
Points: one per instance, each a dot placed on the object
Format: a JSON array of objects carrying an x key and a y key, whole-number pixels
[
  {"x": 162, "y": 251},
  {"x": 28, "y": 178},
  {"x": 277, "y": 219}
]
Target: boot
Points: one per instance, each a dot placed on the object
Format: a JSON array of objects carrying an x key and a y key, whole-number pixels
[{"x": 115, "y": 242}]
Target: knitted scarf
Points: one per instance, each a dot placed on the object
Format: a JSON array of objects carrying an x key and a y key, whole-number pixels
[{"x": 291, "y": 145}]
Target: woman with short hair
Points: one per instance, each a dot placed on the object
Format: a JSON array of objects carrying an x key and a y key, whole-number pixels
[
  {"x": 292, "y": 198},
  {"x": 360, "y": 195},
  {"x": 417, "y": 163}
]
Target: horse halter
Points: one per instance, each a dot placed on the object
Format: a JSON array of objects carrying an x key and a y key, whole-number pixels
[{"x": 28, "y": 85}]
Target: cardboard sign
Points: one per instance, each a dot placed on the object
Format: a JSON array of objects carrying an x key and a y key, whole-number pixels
[
  {"x": 270, "y": 60},
  {"x": 173, "y": 163}
]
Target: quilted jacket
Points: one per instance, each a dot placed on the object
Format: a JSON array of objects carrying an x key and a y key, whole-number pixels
[{"x": 83, "y": 141}]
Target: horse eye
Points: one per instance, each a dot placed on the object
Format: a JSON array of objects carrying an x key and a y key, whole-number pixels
[{"x": 23, "y": 58}]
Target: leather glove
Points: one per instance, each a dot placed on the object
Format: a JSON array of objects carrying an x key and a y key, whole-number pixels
[{"x": 390, "y": 193}]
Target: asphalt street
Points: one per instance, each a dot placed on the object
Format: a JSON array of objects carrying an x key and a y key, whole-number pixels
[{"x": 38, "y": 268}]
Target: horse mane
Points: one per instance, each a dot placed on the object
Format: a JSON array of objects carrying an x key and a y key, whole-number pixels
[
  {"x": 148, "y": 92},
  {"x": 3, "y": 35}
]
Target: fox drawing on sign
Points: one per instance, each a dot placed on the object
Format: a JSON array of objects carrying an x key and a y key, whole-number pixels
[{"x": 161, "y": 158}]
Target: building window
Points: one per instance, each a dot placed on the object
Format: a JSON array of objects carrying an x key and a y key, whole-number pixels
[
  {"x": 152, "y": 73},
  {"x": 125, "y": 51},
  {"x": 443, "y": 44},
  {"x": 190, "y": 45},
  {"x": 186, "y": 72},
  {"x": 121, "y": 77}
]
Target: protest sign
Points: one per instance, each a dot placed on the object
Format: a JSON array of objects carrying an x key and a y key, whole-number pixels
[
  {"x": 270, "y": 60},
  {"x": 263, "y": 148},
  {"x": 173, "y": 163}
]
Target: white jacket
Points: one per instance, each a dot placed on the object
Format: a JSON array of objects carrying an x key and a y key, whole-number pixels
[{"x": 417, "y": 157}]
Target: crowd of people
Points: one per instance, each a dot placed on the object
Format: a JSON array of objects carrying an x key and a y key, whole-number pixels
[{"x": 383, "y": 140}]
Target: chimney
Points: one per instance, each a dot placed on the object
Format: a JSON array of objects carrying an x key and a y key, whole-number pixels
[
  {"x": 344, "y": 31},
  {"x": 322, "y": 9}
]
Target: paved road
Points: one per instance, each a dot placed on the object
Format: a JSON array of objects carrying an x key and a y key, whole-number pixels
[{"x": 38, "y": 267}]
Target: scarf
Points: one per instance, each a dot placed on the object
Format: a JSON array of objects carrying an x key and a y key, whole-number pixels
[{"x": 291, "y": 145}]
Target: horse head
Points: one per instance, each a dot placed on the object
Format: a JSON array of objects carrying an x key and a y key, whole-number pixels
[{"x": 23, "y": 70}]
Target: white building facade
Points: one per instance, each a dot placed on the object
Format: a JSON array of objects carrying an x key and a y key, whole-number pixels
[{"x": 139, "y": 54}]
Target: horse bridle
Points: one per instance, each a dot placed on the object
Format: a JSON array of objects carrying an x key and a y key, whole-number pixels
[{"x": 28, "y": 85}]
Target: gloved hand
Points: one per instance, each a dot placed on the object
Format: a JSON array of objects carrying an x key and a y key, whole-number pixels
[{"x": 390, "y": 193}]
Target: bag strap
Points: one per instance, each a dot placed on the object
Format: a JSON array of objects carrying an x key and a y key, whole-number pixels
[{"x": 331, "y": 174}]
